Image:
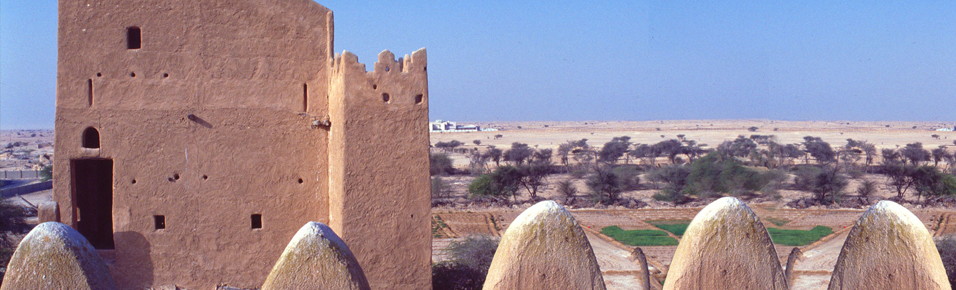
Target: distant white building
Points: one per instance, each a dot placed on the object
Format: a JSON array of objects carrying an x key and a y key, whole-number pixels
[
  {"x": 449, "y": 126},
  {"x": 946, "y": 129}
]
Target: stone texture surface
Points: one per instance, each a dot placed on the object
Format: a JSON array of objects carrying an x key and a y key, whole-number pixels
[
  {"x": 55, "y": 256},
  {"x": 726, "y": 247},
  {"x": 213, "y": 119},
  {"x": 316, "y": 259},
  {"x": 544, "y": 248},
  {"x": 889, "y": 248}
]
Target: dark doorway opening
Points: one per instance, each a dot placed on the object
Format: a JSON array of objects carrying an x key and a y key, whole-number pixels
[{"x": 93, "y": 200}]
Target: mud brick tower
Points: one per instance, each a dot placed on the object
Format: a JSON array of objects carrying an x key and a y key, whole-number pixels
[{"x": 194, "y": 138}]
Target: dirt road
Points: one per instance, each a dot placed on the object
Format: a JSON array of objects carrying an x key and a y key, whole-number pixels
[
  {"x": 620, "y": 270},
  {"x": 814, "y": 269}
]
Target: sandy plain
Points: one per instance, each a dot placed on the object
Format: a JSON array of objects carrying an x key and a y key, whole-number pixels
[{"x": 812, "y": 270}]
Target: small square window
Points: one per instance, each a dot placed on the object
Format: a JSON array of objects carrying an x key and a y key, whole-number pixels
[
  {"x": 159, "y": 222},
  {"x": 257, "y": 221}
]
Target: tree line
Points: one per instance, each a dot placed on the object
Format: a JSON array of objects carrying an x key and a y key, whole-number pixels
[{"x": 754, "y": 165}]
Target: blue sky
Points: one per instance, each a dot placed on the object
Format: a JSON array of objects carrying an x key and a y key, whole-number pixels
[{"x": 612, "y": 60}]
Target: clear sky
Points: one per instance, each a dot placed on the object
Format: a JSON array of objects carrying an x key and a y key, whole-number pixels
[{"x": 608, "y": 60}]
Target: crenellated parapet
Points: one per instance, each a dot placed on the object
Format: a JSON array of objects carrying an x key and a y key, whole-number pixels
[{"x": 400, "y": 82}]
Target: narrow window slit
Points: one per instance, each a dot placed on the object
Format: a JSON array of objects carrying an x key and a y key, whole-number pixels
[
  {"x": 305, "y": 97},
  {"x": 89, "y": 91}
]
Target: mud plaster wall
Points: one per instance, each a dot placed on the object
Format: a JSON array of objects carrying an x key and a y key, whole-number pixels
[
  {"x": 239, "y": 68},
  {"x": 380, "y": 149}
]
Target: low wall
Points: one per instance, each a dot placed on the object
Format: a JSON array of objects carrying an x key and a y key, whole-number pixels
[{"x": 28, "y": 188}]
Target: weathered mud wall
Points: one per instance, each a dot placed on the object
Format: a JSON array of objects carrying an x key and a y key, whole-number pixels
[
  {"x": 207, "y": 123},
  {"x": 379, "y": 200}
]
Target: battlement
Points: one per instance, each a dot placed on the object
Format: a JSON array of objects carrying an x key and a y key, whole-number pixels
[
  {"x": 402, "y": 81},
  {"x": 416, "y": 62}
]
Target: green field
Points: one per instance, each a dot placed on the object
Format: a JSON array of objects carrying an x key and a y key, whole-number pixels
[
  {"x": 777, "y": 222},
  {"x": 675, "y": 227},
  {"x": 798, "y": 237},
  {"x": 639, "y": 237}
]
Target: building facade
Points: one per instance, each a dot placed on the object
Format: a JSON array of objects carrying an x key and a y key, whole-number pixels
[{"x": 194, "y": 138}]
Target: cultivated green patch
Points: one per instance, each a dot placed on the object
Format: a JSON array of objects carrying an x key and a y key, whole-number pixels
[
  {"x": 676, "y": 227},
  {"x": 777, "y": 222},
  {"x": 639, "y": 237},
  {"x": 798, "y": 237}
]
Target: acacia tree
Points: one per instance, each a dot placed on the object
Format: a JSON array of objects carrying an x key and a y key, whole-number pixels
[
  {"x": 915, "y": 153},
  {"x": 828, "y": 185},
  {"x": 605, "y": 186},
  {"x": 448, "y": 146},
  {"x": 534, "y": 173},
  {"x": 783, "y": 155},
  {"x": 940, "y": 154},
  {"x": 693, "y": 150},
  {"x": 614, "y": 149},
  {"x": 519, "y": 153},
  {"x": 740, "y": 147},
  {"x": 646, "y": 153},
  {"x": 818, "y": 149},
  {"x": 478, "y": 162},
  {"x": 670, "y": 148},
  {"x": 583, "y": 155},
  {"x": 495, "y": 155},
  {"x": 897, "y": 172},
  {"x": 564, "y": 152}
]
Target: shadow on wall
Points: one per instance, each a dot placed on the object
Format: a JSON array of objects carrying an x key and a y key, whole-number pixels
[{"x": 136, "y": 266}]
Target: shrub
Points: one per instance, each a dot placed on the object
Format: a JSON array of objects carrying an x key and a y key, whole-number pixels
[
  {"x": 854, "y": 173},
  {"x": 567, "y": 189},
  {"x": 440, "y": 188},
  {"x": 805, "y": 176},
  {"x": 715, "y": 173},
  {"x": 579, "y": 173},
  {"x": 866, "y": 188},
  {"x": 605, "y": 187},
  {"x": 828, "y": 186},
  {"x": 501, "y": 182},
  {"x": 772, "y": 181},
  {"x": 46, "y": 173},
  {"x": 482, "y": 186},
  {"x": 927, "y": 180},
  {"x": 675, "y": 177},
  {"x": 629, "y": 176},
  {"x": 468, "y": 264},
  {"x": 947, "y": 251},
  {"x": 11, "y": 223},
  {"x": 440, "y": 164}
]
